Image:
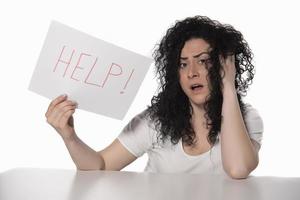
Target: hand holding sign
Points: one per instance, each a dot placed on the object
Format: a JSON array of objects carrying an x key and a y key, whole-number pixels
[
  {"x": 59, "y": 116},
  {"x": 101, "y": 77}
]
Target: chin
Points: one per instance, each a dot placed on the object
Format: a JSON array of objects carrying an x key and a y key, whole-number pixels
[{"x": 197, "y": 102}]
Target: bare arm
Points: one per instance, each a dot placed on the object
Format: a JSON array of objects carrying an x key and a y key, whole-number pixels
[
  {"x": 239, "y": 152},
  {"x": 113, "y": 157},
  {"x": 116, "y": 156}
]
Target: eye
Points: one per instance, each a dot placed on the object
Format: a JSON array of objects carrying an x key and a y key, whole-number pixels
[
  {"x": 202, "y": 61},
  {"x": 182, "y": 65}
]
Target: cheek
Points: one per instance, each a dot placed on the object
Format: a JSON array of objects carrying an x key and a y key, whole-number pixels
[
  {"x": 183, "y": 83},
  {"x": 207, "y": 79},
  {"x": 181, "y": 79}
]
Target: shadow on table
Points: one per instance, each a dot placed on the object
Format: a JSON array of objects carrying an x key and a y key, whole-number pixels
[{"x": 131, "y": 185}]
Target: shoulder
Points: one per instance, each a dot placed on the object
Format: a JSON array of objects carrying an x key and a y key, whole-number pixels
[
  {"x": 140, "y": 119},
  {"x": 136, "y": 136},
  {"x": 253, "y": 122},
  {"x": 251, "y": 113}
]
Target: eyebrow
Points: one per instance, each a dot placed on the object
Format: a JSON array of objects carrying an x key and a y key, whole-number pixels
[{"x": 195, "y": 56}]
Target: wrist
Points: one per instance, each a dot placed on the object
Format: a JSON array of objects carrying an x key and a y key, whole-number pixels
[
  {"x": 230, "y": 87},
  {"x": 70, "y": 139}
]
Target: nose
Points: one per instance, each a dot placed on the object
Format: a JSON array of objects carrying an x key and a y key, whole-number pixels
[{"x": 192, "y": 71}]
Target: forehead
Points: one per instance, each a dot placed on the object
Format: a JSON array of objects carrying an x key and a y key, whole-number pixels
[{"x": 194, "y": 46}]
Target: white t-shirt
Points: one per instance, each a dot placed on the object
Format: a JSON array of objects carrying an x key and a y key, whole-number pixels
[{"x": 140, "y": 136}]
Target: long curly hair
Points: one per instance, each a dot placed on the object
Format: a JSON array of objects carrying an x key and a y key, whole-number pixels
[{"x": 170, "y": 109}]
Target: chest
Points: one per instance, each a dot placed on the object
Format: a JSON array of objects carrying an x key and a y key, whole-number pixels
[
  {"x": 201, "y": 146},
  {"x": 182, "y": 158}
]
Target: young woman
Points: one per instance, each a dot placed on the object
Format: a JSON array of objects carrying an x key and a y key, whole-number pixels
[{"x": 197, "y": 123}]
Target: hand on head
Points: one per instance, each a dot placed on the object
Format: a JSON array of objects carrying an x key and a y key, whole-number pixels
[{"x": 229, "y": 70}]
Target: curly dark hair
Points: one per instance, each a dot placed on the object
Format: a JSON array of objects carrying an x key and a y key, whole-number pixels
[{"x": 170, "y": 109}]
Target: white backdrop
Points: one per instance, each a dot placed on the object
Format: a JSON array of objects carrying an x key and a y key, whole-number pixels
[{"x": 271, "y": 29}]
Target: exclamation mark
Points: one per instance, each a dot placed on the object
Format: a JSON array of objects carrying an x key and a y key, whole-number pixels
[{"x": 122, "y": 92}]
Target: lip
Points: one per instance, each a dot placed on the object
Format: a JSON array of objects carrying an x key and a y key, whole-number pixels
[
  {"x": 197, "y": 83},
  {"x": 197, "y": 90}
]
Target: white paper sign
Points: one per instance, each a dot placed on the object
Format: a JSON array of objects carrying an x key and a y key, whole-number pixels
[{"x": 99, "y": 76}]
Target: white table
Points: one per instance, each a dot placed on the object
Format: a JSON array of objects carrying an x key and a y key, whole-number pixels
[{"x": 56, "y": 184}]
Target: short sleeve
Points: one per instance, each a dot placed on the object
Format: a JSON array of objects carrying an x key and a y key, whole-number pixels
[
  {"x": 254, "y": 124},
  {"x": 135, "y": 136}
]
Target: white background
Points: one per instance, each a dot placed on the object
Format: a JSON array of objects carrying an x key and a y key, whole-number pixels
[{"x": 271, "y": 29}]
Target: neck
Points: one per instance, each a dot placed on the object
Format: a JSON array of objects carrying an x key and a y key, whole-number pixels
[{"x": 198, "y": 117}]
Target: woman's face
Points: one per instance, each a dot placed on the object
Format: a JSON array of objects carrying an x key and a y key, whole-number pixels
[{"x": 194, "y": 61}]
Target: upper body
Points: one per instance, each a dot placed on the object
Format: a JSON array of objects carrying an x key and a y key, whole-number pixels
[
  {"x": 204, "y": 69},
  {"x": 140, "y": 136}
]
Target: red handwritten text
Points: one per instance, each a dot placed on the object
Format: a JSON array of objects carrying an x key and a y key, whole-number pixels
[{"x": 65, "y": 60}]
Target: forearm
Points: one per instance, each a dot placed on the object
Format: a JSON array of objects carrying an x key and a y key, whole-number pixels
[
  {"x": 84, "y": 157},
  {"x": 239, "y": 156}
]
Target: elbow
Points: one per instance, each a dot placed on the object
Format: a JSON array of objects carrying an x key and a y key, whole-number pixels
[
  {"x": 85, "y": 169},
  {"x": 89, "y": 168},
  {"x": 238, "y": 173}
]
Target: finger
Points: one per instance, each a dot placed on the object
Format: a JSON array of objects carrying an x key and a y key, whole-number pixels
[
  {"x": 222, "y": 60},
  {"x": 53, "y": 103},
  {"x": 54, "y": 111},
  {"x": 233, "y": 57},
  {"x": 230, "y": 59},
  {"x": 61, "y": 108},
  {"x": 58, "y": 108},
  {"x": 66, "y": 116},
  {"x": 56, "y": 119},
  {"x": 65, "y": 103}
]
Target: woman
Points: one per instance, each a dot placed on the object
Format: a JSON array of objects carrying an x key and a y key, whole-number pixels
[{"x": 198, "y": 122}]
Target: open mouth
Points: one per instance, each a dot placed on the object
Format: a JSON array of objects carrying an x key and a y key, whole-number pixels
[{"x": 196, "y": 86}]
